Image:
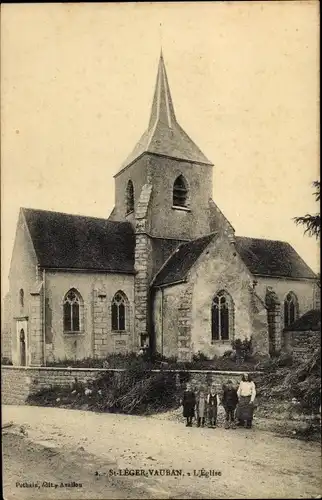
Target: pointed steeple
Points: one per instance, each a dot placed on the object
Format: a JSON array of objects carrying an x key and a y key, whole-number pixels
[
  {"x": 162, "y": 106},
  {"x": 164, "y": 136}
]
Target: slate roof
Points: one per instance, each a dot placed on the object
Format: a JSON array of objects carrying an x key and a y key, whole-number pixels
[
  {"x": 67, "y": 241},
  {"x": 272, "y": 258},
  {"x": 311, "y": 320},
  {"x": 162, "y": 248},
  {"x": 262, "y": 257},
  {"x": 177, "y": 266},
  {"x": 164, "y": 135}
]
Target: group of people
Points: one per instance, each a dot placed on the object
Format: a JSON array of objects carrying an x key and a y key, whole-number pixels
[{"x": 237, "y": 402}]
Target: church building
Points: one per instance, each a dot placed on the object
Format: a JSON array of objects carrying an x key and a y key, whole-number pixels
[{"x": 164, "y": 270}]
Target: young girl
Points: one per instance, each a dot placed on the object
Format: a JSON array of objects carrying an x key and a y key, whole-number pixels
[
  {"x": 188, "y": 401},
  {"x": 201, "y": 408},
  {"x": 212, "y": 406}
]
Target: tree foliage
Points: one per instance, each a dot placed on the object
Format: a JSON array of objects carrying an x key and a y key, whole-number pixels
[{"x": 311, "y": 222}]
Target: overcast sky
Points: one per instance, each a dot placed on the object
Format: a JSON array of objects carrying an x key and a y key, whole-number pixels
[{"x": 77, "y": 82}]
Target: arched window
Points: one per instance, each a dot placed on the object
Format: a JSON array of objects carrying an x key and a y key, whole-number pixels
[
  {"x": 290, "y": 309},
  {"x": 119, "y": 312},
  {"x": 72, "y": 311},
  {"x": 180, "y": 192},
  {"x": 222, "y": 317},
  {"x": 129, "y": 197},
  {"x": 21, "y": 297}
]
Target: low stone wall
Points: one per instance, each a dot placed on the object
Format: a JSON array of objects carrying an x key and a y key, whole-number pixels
[{"x": 18, "y": 382}]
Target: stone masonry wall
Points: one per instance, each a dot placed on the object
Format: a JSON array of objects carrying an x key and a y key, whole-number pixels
[
  {"x": 184, "y": 324},
  {"x": 17, "y": 383},
  {"x": 100, "y": 329},
  {"x": 143, "y": 266},
  {"x": 36, "y": 329}
]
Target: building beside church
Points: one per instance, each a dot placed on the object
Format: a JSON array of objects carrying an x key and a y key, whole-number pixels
[{"x": 165, "y": 269}]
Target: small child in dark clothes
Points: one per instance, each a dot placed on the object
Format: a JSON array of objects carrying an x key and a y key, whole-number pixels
[
  {"x": 229, "y": 401},
  {"x": 188, "y": 402}
]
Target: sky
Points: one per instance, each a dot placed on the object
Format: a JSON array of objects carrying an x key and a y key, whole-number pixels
[{"x": 77, "y": 83}]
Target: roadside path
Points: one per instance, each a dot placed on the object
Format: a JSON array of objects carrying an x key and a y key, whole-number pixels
[{"x": 252, "y": 463}]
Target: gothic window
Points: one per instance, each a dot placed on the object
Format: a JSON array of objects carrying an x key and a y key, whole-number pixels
[
  {"x": 180, "y": 192},
  {"x": 129, "y": 197},
  {"x": 72, "y": 311},
  {"x": 222, "y": 316},
  {"x": 119, "y": 312},
  {"x": 21, "y": 297},
  {"x": 290, "y": 309}
]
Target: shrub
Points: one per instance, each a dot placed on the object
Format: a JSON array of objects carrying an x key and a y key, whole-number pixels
[
  {"x": 301, "y": 381},
  {"x": 228, "y": 354},
  {"x": 6, "y": 361},
  {"x": 133, "y": 391},
  {"x": 243, "y": 348},
  {"x": 285, "y": 359},
  {"x": 199, "y": 357}
]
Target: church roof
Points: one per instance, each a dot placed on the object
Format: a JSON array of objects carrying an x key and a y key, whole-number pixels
[
  {"x": 262, "y": 257},
  {"x": 164, "y": 136},
  {"x": 177, "y": 266},
  {"x": 310, "y": 321},
  {"x": 272, "y": 258},
  {"x": 67, "y": 241}
]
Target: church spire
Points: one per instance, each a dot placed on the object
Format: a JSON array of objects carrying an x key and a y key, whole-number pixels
[
  {"x": 164, "y": 136},
  {"x": 162, "y": 106}
]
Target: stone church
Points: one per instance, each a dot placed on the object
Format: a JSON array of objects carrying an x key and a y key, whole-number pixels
[{"x": 165, "y": 269}]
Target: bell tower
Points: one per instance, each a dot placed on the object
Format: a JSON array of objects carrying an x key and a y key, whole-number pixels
[
  {"x": 163, "y": 189},
  {"x": 178, "y": 172}
]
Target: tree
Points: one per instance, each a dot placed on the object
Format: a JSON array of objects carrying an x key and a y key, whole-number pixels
[{"x": 311, "y": 223}]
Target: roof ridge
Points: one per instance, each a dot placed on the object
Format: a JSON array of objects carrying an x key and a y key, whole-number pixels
[
  {"x": 263, "y": 239},
  {"x": 75, "y": 215}
]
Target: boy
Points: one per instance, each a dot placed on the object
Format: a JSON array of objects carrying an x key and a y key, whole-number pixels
[
  {"x": 212, "y": 405},
  {"x": 229, "y": 401}
]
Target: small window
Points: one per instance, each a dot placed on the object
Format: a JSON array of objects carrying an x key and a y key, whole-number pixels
[
  {"x": 290, "y": 309},
  {"x": 72, "y": 311},
  {"x": 21, "y": 297},
  {"x": 129, "y": 197},
  {"x": 180, "y": 192},
  {"x": 222, "y": 314},
  {"x": 119, "y": 312}
]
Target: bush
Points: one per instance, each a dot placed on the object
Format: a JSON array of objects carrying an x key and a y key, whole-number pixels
[
  {"x": 6, "y": 361},
  {"x": 133, "y": 391},
  {"x": 243, "y": 349},
  {"x": 302, "y": 381},
  {"x": 196, "y": 358},
  {"x": 229, "y": 353},
  {"x": 285, "y": 359}
]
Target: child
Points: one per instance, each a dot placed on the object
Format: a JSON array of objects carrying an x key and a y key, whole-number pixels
[
  {"x": 229, "y": 401},
  {"x": 212, "y": 406},
  {"x": 201, "y": 408},
  {"x": 188, "y": 401}
]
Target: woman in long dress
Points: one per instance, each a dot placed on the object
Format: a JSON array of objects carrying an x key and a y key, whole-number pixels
[{"x": 246, "y": 394}]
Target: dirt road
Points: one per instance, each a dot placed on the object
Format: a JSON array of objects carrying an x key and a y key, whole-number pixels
[{"x": 99, "y": 449}]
